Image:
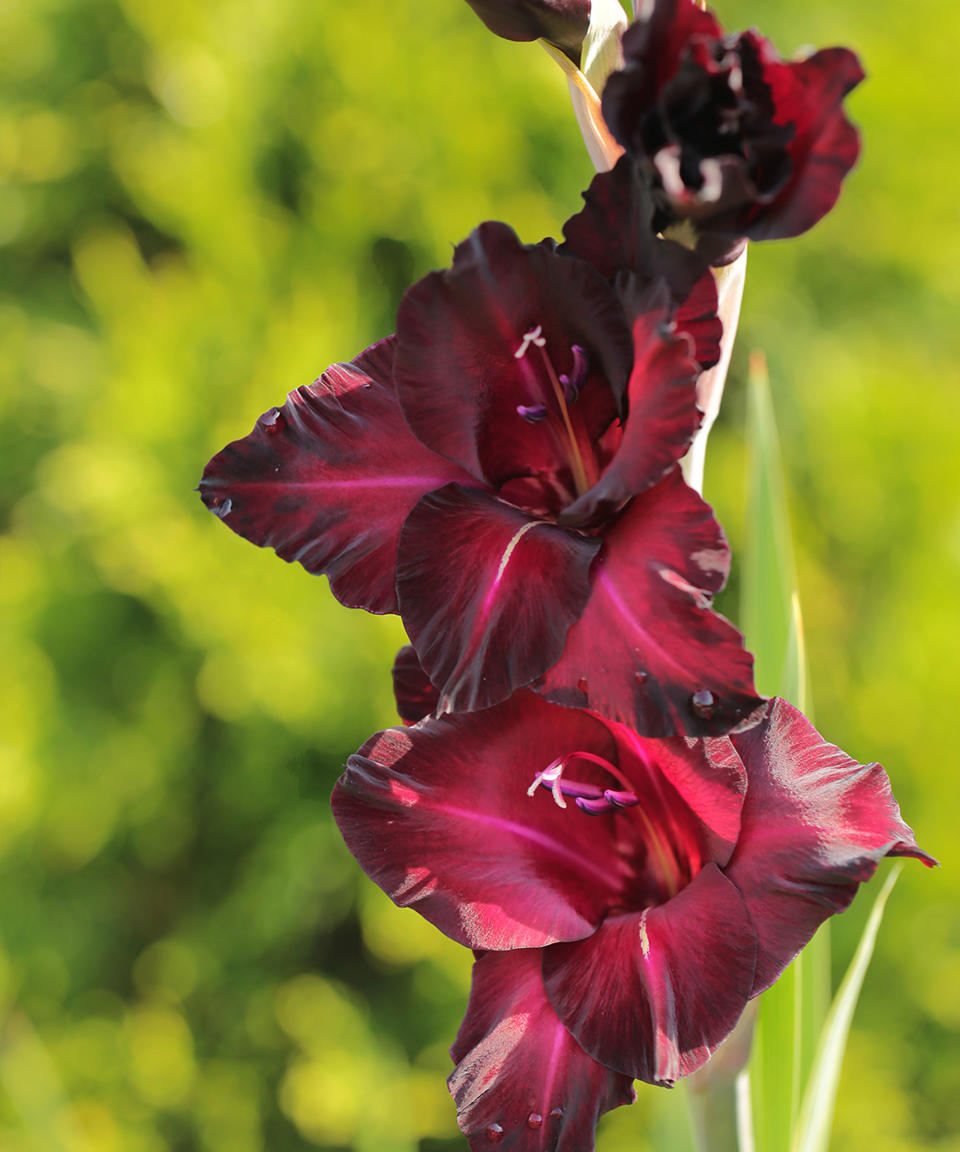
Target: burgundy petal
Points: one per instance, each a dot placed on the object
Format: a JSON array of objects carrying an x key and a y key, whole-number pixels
[
  {"x": 647, "y": 649},
  {"x": 662, "y": 418},
  {"x": 415, "y": 693},
  {"x": 614, "y": 232},
  {"x": 815, "y": 825},
  {"x": 458, "y": 376},
  {"x": 440, "y": 817},
  {"x": 328, "y": 479},
  {"x": 706, "y": 775},
  {"x": 652, "y": 48},
  {"x": 487, "y": 593},
  {"x": 808, "y": 94},
  {"x": 522, "y": 1083},
  {"x": 651, "y": 994}
]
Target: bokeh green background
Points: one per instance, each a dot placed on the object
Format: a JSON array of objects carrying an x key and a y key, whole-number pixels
[{"x": 201, "y": 206}]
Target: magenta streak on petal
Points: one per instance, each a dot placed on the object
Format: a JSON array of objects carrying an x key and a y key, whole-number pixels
[
  {"x": 609, "y": 588},
  {"x": 486, "y": 606},
  {"x": 326, "y": 485},
  {"x": 525, "y": 833}
]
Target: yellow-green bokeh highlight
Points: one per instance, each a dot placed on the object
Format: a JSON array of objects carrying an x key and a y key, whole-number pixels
[{"x": 201, "y": 206}]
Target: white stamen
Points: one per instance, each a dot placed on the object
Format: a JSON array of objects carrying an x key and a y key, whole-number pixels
[
  {"x": 551, "y": 776},
  {"x": 534, "y": 336}
]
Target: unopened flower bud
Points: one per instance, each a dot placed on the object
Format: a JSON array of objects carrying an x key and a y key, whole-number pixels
[{"x": 561, "y": 22}]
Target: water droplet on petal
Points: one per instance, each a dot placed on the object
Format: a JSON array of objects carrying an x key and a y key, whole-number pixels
[
  {"x": 704, "y": 703},
  {"x": 582, "y": 685},
  {"x": 219, "y": 507},
  {"x": 494, "y": 1133},
  {"x": 556, "y": 1113},
  {"x": 271, "y": 421},
  {"x": 534, "y": 1120},
  {"x": 640, "y": 677}
]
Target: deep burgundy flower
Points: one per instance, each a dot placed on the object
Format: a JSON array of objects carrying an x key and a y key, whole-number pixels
[
  {"x": 731, "y": 137},
  {"x": 562, "y": 22},
  {"x": 628, "y": 896},
  {"x": 504, "y": 469}
]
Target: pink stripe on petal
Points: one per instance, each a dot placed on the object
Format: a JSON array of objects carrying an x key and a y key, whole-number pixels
[{"x": 522, "y": 1083}]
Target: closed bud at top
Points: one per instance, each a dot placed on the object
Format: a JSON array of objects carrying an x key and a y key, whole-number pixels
[{"x": 561, "y": 22}]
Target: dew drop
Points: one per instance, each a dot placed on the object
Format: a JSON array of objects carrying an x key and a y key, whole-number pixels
[
  {"x": 582, "y": 685},
  {"x": 220, "y": 507},
  {"x": 556, "y": 1113},
  {"x": 271, "y": 421},
  {"x": 494, "y": 1133},
  {"x": 534, "y": 1120},
  {"x": 704, "y": 703},
  {"x": 640, "y": 677}
]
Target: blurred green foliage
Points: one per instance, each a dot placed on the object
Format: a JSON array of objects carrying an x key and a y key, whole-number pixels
[{"x": 201, "y": 206}]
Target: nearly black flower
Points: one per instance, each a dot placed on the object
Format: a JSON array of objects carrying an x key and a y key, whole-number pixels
[
  {"x": 731, "y": 137},
  {"x": 627, "y": 896},
  {"x": 503, "y": 473}
]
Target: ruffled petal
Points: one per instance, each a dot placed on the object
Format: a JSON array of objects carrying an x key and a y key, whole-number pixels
[
  {"x": 458, "y": 375},
  {"x": 440, "y": 817},
  {"x": 815, "y": 825},
  {"x": 653, "y": 48},
  {"x": 662, "y": 419},
  {"x": 487, "y": 593},
  {"x": 653, "y": 993},
  {"x": 328, "y": 479},
  {"x": 808, "y": 95},
  {"x": 522, "y": 1083},
  {"x": 648, "y": 650}
]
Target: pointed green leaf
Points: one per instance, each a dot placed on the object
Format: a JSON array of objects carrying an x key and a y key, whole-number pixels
[{"x": 813, "y": 1134}]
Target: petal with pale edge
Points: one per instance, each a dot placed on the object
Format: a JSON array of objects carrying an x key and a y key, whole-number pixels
[
  {"x": 653, "y": 993},
  {"x": 415, "y": 693},
  {"x": 487, "y": 593},
  {"x": 457, "y": 374},
  {"x": 522, "y": 1083},
  {"x": 815, "y": 825},
  {"x": 328, "y": 479},
  {"x": 438, "y": 815},
  {"x": 662, "y": 418},
  {"x": 648, "y": 649},
  {"x": 808, "y": 95}
]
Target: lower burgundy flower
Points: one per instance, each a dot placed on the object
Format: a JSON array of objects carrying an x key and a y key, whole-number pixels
[
  {"x": 627, "y": 896},
  {"x": 731, "y": 137},
  {"x": 503, "y": 472}
]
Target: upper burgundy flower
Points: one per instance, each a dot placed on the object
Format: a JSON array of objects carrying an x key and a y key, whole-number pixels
[
  {"x": 503, "y": 472},
  {"x": 628, "y": 896},
  {"x": 733, "y": 138},
  {"x": 562, "y": 22}
]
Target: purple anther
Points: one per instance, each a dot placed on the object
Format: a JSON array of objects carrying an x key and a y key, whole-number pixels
[
  {"x": 577, "y": 791},
  {"x": 620, "y": 799},
  {"x": 573, "y": 384},
  {"x": 594, "y": 807},
  {"x": 532, "y": 413}
]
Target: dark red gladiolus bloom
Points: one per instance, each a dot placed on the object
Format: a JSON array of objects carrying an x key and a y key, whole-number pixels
[
  {"x": 731, "y": 137},
  {"x": 503, "y": 473},
  {"x": 562, "y": 22},
  {"x": 628, "y": 896}
]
